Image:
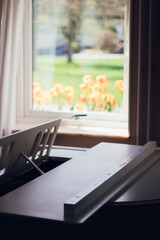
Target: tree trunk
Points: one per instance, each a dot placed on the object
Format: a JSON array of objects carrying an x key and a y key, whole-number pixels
[{"x": 69, "y": 51}]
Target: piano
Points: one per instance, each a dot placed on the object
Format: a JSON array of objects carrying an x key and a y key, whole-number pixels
[{"x": 77, "y": 193}]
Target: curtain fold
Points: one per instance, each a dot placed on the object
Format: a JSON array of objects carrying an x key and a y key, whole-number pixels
[{"x": 11, "y": 30}]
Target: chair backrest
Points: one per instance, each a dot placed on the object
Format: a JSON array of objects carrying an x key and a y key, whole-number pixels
[{"x": 34, "y": 142}]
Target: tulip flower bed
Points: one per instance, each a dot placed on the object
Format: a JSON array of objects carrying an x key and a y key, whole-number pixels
[{"x": 89, "y": 85}]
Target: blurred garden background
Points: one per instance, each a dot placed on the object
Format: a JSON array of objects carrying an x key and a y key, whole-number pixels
[{"x": 74, "y": 39}]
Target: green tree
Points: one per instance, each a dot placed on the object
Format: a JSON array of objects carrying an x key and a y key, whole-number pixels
[
  {"x": 69, "y": 14},
  {"x": 72, "y": 12}
]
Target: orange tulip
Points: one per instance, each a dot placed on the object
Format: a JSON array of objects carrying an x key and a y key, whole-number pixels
[
  {"x": 38, "y": 101},
  {"x": 83, "y": 98},
  {"x": 36, "y": 85},
  {"x": 37, "y": 89},
  {"x": 37, "y": 93},
  {"x": 70, "y": 90},
  {"x": 69, "y": 97},
  {"x": 94, "y": 97},
  {"x": 46, "y": 97},
  {"x": 100, "y": 106},
  {"x": 83, "y": 87},
  {"x": 106, "y": 97},
  {"x": 35, "y": 99},
  {"x": 112, "y": 101},
  {"x": 79, "y": 106},
  {"x": 97, "y": 88},
  {"x": 53, "y": 92},
  {"x": 88, "y": 80},
  {"x": 103, "y": 81},
  {"x": 109, "y": 98},
  {"x": 59, "y": 88},
  {"x": 119, "y": 85}
]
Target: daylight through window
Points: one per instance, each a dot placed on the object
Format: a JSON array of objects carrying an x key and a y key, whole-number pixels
[{"x": 78, "y": 57}]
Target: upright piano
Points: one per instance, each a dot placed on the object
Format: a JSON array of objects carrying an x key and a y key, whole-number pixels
[{"x": 47, "y": 190}]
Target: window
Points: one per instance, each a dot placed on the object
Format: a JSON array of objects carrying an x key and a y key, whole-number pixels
[{"x": 76, "y": 62}]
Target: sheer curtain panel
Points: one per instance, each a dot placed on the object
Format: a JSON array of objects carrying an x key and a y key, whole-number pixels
[{"x": 11, "y": 26}]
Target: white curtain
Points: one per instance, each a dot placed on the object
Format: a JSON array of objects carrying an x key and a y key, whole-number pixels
[{"x": 11, "y": 27}]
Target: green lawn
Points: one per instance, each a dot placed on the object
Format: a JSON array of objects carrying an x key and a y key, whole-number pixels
[{"x": 49, "y": 70}]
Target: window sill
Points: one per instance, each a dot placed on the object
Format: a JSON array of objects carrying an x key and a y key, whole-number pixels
[
  {"x": 78, "y": 127},
  {"x": 96, "y": 131}
]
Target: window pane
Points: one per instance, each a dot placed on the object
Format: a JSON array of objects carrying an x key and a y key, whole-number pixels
[{"x": 78, "y": 56}]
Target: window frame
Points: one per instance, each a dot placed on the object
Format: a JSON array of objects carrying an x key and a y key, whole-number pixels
[{"x": 25, "y": 117}]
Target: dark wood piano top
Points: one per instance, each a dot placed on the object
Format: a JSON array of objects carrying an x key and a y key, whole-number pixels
[{"x": 44, "y": 196}]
